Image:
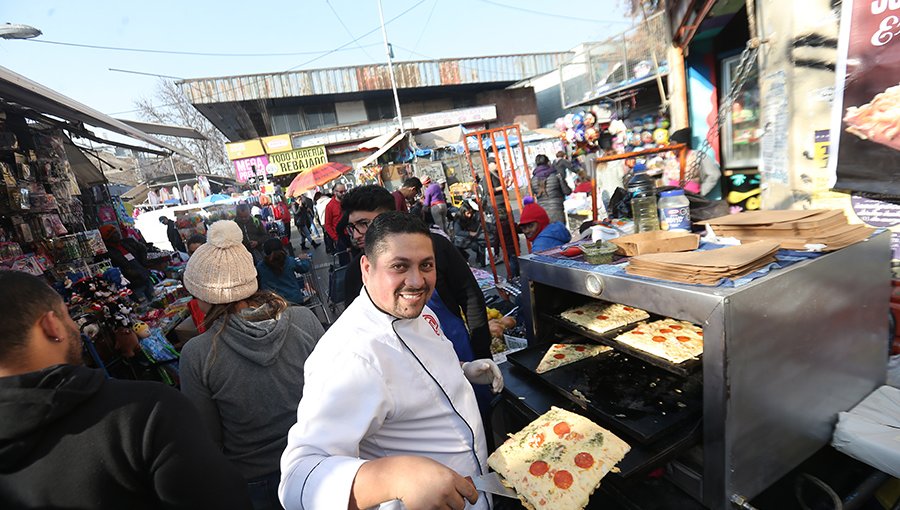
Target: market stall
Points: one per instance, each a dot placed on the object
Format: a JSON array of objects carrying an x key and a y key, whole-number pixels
[
  {"x": 782, "y": 351},
  {"x": 54, "y": 204}
]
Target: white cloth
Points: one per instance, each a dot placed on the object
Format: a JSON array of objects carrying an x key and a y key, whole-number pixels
[
  {"x": 869, "y": 432},
  {"x": 321, "y": 204},
  {"x": 366, "y": 396}
]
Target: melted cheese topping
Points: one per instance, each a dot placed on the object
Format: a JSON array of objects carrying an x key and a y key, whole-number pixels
[
  {"x": 563, "y": 354},
  {"x": 558, "y": 460},
  {"x": 601, "y": 317},
  {"x": 669, "y": 339}
]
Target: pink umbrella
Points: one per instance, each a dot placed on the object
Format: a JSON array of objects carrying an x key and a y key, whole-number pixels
[{"x": 316, "y": 176}]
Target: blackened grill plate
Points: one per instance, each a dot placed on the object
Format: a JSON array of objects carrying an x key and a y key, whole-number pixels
[{"x": 632, "y": 397}]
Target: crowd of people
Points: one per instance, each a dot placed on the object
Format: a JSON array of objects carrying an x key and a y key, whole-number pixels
[{"x": 390, "y": 403}]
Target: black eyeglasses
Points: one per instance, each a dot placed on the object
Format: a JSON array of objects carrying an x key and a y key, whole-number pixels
[{"x": 360, "y": 227}]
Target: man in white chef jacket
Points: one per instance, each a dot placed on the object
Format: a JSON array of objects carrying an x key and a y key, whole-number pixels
[{"x": 388, "y": 418}]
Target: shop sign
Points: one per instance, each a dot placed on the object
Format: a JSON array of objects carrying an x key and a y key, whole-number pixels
[
  {"x": 245, "y": 149},
  {"x": 277, "y": 143},
  {"x": 299, "y": 159},
  {"x": 464, "y": 116},
  {"x": 250, "y": 167},
  {"x": 865, "y": 151}
]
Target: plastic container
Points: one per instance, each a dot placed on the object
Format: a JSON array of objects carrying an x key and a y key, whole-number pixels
[
  {"x": 674, "y": 211},
  {"x": 643, "y": 202},
  {"x": 599, "y": 253}
]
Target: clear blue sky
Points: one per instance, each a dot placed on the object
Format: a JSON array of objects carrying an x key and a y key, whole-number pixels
[{"x": 456, "y": 28}]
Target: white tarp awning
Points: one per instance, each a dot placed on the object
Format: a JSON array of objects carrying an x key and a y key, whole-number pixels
[
  {"x": 378, "y": 142},
  {"x": 384, "y": 148}
]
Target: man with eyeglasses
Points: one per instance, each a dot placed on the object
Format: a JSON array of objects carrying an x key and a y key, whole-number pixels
[{"x": 457, "y": 291}]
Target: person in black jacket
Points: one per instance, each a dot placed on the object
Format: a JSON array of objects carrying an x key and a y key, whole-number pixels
[
  {"x": 71, "y": 438},
  {"x": 456, "y": 286},
  {"x": 130, "y": 257},
  {"x": 173, "y": 234}
]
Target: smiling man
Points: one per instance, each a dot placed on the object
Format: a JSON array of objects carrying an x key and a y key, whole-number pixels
[{"x": 387, "y": 413}]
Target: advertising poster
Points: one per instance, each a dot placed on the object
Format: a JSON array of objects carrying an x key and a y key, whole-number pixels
[
  {"x": 250, "y": 167},
  {"x": 865, "y": 133}
]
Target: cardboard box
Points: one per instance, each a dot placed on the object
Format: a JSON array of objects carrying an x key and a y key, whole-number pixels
[{"x": 657, "y": 241}]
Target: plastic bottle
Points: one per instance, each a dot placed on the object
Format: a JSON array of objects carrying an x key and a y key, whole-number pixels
[
  {"x": 643, "y": 201},
  {"x": 674, "y": 211}
]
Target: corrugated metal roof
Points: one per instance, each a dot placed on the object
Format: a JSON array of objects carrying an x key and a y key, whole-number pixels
[{"x": 342, "y": 80}]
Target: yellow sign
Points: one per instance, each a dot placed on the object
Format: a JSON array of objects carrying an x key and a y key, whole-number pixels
[
  {"x": 245, "y": 149},
  {"x": 277, "y": 143},
  {"x": 298, "y": 160}
]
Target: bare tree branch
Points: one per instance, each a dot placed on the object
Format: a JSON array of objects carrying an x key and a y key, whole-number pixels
[{"x": 207, "y": 156}]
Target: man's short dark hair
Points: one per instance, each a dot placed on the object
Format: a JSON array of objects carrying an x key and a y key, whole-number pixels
[
  {"x": 196, "y": 239},
  {"x": 413, "y": 182},
  {"x": 367, "y": 198},
  {"x": 243, "y": 207},
  {"x": 23, "y": 299},
  {"x": 388, "y": 224}
]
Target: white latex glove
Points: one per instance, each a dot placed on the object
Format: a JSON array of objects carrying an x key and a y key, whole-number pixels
[{"x": 484, "y": 371}]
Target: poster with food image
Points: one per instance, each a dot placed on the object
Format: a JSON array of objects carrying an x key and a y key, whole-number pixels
[{"x": 865, "y": 133}]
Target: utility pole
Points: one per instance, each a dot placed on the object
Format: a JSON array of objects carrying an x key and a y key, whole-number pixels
[{"x": 387, "y": 49}]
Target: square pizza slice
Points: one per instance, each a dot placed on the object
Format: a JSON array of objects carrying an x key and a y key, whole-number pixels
[{"x": 558, "y": 460}]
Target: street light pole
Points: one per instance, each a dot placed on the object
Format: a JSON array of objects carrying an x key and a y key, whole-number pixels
[{"x": 387, "y": 49}]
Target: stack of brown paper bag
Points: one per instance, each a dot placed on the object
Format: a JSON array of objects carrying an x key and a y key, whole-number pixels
[
  {"x": 705, "y": 267},
  {"x": 792, "y": 229}
]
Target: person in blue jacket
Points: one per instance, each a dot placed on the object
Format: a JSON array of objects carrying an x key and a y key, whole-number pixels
[
  {"x": 278, "y": 272},
  {"x": 535, "y": 224}
]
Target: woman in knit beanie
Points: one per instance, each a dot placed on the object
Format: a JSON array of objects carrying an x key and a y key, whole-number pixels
[{"x": 245, "y": 373}]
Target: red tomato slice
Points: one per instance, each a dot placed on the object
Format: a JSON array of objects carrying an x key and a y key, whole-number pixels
[
  {"x": 700, "y": 333},
  {"x": 563, "y": 479},
  {"x": 572, "y": 251},
  {"x": 659, "y": 339},
  {"x": 636, "y": 332},
  {"x": 584, "y": 460},
  {"x": 665, "y": 331},
  {"x": 562, "y": 428},
  {"x": 602, "y": 317},
  {"x": 628, "y": 308},
  {"x": 675, "y": 326},
  {"x": 580, "y": 348},
  {"x": 683, "y": 338},
  {"x": 579, "y": 312},
  {"x": 538, "y": 468},
  {"x": 559, "y": 356}
]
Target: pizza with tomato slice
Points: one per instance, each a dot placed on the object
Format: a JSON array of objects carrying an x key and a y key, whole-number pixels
[
  {"x": 563, "y": 354},
  {"x": 558, "y": 460},
  {"x": 877, "y": 120},
  {"x": 669, "y": 339},
  {"x": 601, "y": 317}
]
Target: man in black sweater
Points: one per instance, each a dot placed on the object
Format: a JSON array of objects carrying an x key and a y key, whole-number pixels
[
  {"x": 456, "y": 286},
  {"x": 70, "y": 438}
]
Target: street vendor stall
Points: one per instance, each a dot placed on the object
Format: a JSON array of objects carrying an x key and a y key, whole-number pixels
[{"x": 781, "y": 352}]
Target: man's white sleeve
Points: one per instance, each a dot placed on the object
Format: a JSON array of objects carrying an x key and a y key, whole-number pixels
[{"x": 344, "y": 400}]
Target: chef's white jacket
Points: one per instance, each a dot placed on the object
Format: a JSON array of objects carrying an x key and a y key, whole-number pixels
[{"x": 377, "y": 386}]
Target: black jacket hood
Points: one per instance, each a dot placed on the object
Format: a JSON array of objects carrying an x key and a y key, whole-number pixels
[{"x": 29, "y": 402}]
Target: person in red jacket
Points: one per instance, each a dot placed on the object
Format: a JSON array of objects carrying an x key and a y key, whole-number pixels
[{"x": 333, "y": 216}]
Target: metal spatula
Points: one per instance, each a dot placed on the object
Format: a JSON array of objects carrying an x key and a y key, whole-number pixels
[{"x": 490, "y": 482}]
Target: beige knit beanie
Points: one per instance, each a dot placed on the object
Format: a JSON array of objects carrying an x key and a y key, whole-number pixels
[{"x": 221, "y": 271}]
